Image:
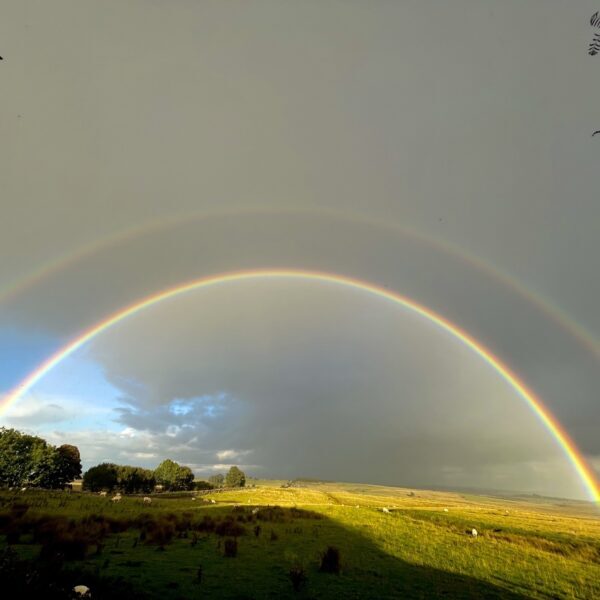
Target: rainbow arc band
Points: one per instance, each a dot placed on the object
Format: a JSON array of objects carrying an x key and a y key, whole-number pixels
[{"x": 571, "y": 451}]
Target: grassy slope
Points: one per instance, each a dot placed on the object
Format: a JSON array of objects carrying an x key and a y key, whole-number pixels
[{"x": 524, "y": 549}]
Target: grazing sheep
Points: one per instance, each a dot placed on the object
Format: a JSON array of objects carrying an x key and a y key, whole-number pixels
[
  {"x": 116, "y": 498},
  {"x": 147, "y": 500},
  {"x": 193, "y": 497},
  {"x": 83, "y": 591},
  {"x": 102, "y": 493},
  {"x": 213, "y": 501},
  {"x": 386, "y": 510},
  {"x": 255, "y": 511},
  {"x": 23, "y": 489},
  {"x": 357, "y": 506},
  {"x": 474, "y": 532},
  {"x": 445, "y": 510}
]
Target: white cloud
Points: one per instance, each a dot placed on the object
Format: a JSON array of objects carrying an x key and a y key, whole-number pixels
[
  {"x": 40, "y": 411},
  {"x": 224, "y": 454}
]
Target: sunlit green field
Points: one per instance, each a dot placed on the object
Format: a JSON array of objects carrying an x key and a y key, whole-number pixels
[{"x": 420, "y": 549}]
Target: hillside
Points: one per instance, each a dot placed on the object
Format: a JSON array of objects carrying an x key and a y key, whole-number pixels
[{"x": 421, "y": 548}]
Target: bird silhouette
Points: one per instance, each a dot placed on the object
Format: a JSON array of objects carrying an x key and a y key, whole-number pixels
[
  {"x": 595, "y": 132},
  {"x": 595, "y": 44}
]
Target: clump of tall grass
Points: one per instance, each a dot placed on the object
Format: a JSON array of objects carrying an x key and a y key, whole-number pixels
[
  {"x": 230, "y": 548},
  {"x": 274, "y": 514},
  {"x": 330, "y": 560},
  {"x": 229, "y": 527}
]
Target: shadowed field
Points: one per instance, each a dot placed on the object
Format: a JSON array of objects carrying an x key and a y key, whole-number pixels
[{"x": 268, "y": 542}]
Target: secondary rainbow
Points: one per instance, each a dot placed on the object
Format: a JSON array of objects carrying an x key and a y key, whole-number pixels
[
  {"x": 553, "y": 312},
  {"x": 562, "y": 438}
]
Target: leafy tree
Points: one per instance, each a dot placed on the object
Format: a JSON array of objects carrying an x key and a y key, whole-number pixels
[
  {"x": 19, "y": 453},
  {"x": 108, "y": 476},
  {"x": 203, "y": 485},
  {"x": 30, "y": 460},
  {"x": 45, "y": 472},
  {"x": 101, "y": 477},
  {"x": 173, "y": 476},
  {"x": 135, "y": 479},
  {"x": 70, "y": 462},
  {"x": 235, "y": 478},
  {"x": 217, "y": 480}
]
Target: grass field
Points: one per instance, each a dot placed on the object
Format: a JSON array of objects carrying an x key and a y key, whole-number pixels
[{"x": 525, "y": 548}]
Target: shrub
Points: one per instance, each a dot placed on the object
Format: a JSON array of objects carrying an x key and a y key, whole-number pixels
[
  {"x": 297, "y": 576},
  {"x": 207, "y": 525},
  {"x": 159, "y": 533},
  {"x": 229, "y": 527},
  {"x": 272, "y": 513},
  {"x": 330, "y": 560},
  {"x": 231, "y": 548},
  {"x": 203, "y": 485},
  {"x": 300, "y": 513}
]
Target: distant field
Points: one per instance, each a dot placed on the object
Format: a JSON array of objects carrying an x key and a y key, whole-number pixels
[{"x": 534, "y": 548}]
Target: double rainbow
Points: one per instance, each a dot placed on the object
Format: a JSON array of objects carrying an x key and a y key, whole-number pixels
[{"x": 562, "y": 438}]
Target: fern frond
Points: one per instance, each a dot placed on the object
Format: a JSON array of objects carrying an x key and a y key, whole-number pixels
[{"x": 595, "y": 45}]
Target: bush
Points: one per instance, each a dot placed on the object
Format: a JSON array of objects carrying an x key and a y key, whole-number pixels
[
  {"x": 207, "y": 525},
  {"x": 273, "y": 513},
  {"x": 203, "y": 485},
  {"x": 297, "y": 576},
  {"x": 231, "y": 548},
  {"x": 330, "y": 560},
  {"x": 159, "y": 532},
  {"x": 229, "y": 527}
]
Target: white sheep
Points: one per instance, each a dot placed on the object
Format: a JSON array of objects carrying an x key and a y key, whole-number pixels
[
  {"x": 474, "y": 532},
  {"x": 116, "y": 498},
  {"x": 445, "y": 510},
  {"x": 102, "y": 493},
  {"x": 83, "y": 591},
  {"x": 23, "y": 489},
  {"x": 357, "y": 506},
  {"x": 255, "y": 511},
  {"x": 213, "y": 501},
  {"x": 386, "y": 510},
  {"x": 147, "y": 500}
]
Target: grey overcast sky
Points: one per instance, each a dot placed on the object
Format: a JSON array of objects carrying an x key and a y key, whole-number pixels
[{"x": 442, "y": 150}]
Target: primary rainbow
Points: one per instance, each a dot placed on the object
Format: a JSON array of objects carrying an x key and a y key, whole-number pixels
[{"x": 562, "y": 438}]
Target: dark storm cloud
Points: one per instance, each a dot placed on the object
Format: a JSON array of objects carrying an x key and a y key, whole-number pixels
[{"x": 315, "y": 379}]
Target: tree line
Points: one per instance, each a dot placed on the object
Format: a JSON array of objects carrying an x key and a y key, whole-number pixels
[{"x": 27, "y": 460}]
